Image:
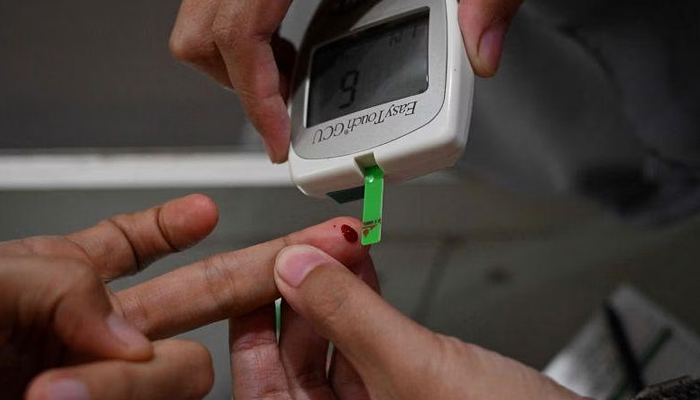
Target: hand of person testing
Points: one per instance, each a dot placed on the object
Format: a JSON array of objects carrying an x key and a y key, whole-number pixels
[
  {"x": 236, "y": 43},
  {"x": 63, "y": 335},
  {"x": 380, "y": 354}
]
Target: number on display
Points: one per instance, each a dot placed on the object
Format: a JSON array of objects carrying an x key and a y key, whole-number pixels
[{"x": 349, "y": 86}]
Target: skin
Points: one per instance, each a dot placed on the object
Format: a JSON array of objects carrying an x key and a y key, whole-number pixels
[
  {"x": 98, "y": 344},
  {"x": 236, "y": 43},
  {"x": 57, "y": 320},
  {"x": 380, "y": 353},
  {"x": 57, "y": 317}
]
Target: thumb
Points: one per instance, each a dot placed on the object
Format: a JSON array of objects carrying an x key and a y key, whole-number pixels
[
  {"x": 484, "y": 24},
  {"x": 66, "y": 298},
  {"x": 374, "y": 337}
]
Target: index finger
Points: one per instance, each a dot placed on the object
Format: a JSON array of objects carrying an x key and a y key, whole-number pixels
[
  {"x": 243, "y": 31},
  {"x": 227, "y": 285},
  {"x": 127, "y": 243}
]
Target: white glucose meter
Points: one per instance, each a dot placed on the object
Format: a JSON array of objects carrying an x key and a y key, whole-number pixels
[{"x": 382, "y": 83}]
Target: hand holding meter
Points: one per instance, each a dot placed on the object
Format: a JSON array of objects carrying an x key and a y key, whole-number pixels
[{"x": 383, "y": 90}]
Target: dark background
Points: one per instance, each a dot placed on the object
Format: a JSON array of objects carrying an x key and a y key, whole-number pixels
[{"x": 84, "y": 74}]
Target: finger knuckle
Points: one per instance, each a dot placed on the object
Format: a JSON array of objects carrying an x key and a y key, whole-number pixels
[
  {"x": 77, "y": 285},
  {"x": 31, "y": 247},
  {"x": 453, "y": 348},
  {"x": 237, "y": 25},
  {"x": 51, "y": 283},
  {"x": 456, "y": 365},
  {"x": 271, "y": 394},
  {"x": 252, "y": 341},
  {"x": 134, "y": 310},
  {"x": 221, "y": 286},
  {"x": 77, "y": 278},
  {"x": 192, "y": 47},
  {"x": 118, "y": 228},
  {"x": 226, "y": 32},
  {"x": 434, "y": 369}
]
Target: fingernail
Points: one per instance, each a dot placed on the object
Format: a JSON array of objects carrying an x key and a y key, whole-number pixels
[
  {"x": 126, "y": 332},
  {"x": 295, "y": 263},
  {"x": 491, "y": 45},
  {"x": 67, "y": 389}
]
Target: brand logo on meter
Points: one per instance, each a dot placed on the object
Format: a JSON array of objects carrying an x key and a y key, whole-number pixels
[{"x": 374, "y": 118}]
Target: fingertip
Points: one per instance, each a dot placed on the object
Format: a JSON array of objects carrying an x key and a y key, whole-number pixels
[
  {"x": 205, "y": 208},
  {"x": 484, "y": 25},
  {"x": 275, "y": 127},
  {"x": 188, "y": 220},
  {"x": 35, "y": 390},
  {"x": 338, "y": 240},
  {"x": 339, "y": 237},
  {"x": 275, "y": 152},
  {"x": 202, "y": 201},
  {"x": 491, "y": 48},
  {"x": 349, "y": 221},
  {"x": 199, "y": 359},
  {"x": 46, "y": 387}
]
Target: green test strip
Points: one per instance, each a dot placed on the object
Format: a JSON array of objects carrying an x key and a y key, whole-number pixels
[{"x": 372, "y": 209}]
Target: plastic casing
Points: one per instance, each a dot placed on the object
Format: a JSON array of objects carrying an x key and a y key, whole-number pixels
[{"x": 434, "y": 142}]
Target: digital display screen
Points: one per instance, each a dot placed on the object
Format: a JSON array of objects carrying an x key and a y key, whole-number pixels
[{"x": 378, "y": 65}]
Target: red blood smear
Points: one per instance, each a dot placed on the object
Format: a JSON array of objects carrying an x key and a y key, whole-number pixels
[{"x": 349, "y": 233}]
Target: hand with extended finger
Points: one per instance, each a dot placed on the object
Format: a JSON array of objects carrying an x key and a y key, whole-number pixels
[{"x": 61, "y": 329}]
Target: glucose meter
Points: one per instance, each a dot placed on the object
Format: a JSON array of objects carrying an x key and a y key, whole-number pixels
[{"x": 380, "y": 85}]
